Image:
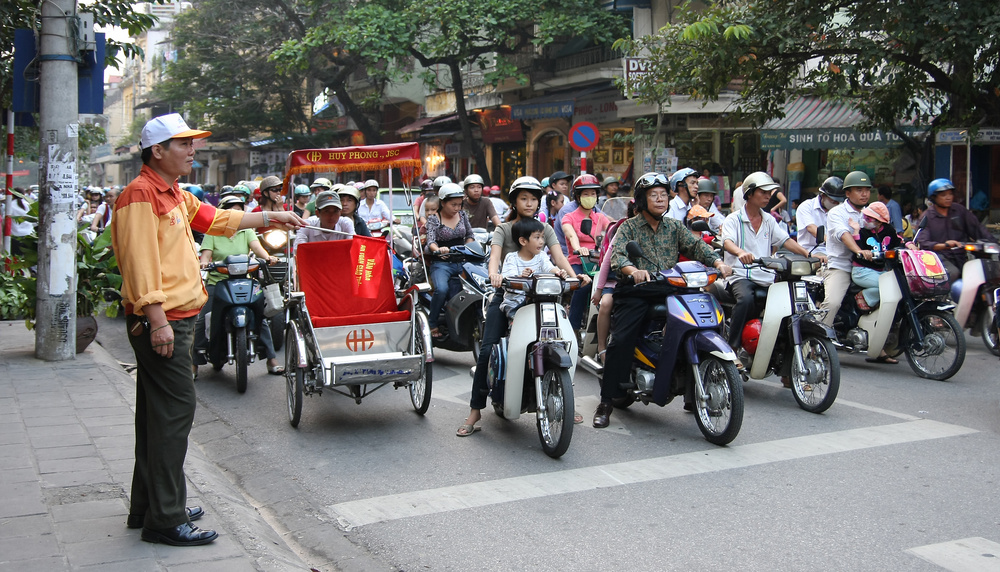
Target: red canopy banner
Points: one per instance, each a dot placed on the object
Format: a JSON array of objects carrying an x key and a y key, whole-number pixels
[{"x": 402, "y": 156}]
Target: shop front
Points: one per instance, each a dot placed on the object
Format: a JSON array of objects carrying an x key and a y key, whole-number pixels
[
  {"x": 952, "y": 159},
  {"x": 503, "y": 137},
  {"x": 816, "y": 139}
]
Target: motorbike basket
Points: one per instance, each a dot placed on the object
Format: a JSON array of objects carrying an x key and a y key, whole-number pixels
[{"x": 924, "y": 273}]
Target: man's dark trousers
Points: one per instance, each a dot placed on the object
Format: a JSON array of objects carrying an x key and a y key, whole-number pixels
[
  {"x": 632, "y": 305},
  {"x": 164, "y": 413}
]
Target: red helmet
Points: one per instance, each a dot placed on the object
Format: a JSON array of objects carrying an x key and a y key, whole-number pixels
[
  {"x": 751, "y": 335},
  {"x": 584, "y": 182}
]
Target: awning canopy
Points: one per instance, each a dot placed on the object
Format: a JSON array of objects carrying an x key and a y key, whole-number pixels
[
  {"x": 679, "y": 104},
  {"x": 814, "y": 123},
  {"x": 559, "y": 104}
]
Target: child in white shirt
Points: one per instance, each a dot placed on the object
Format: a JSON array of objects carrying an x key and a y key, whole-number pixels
[{"x": 530, "y": 259}]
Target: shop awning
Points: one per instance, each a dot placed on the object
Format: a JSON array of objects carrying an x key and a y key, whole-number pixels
[
  {"x": 680, "y": 104},
  {"x": 814, "y": 123},
  {"x": 415, "y": 126},
  {"x": 553, "y": 105}
]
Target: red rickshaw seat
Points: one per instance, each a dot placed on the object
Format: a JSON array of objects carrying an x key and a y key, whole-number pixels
[{"x": 326, "y": 275}]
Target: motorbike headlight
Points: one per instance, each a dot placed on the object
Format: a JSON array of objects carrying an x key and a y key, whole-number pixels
[
  {"x": 480, "y": 281},
  {"x": 276, "y": 239},
  {"x": 991, "y": 248},
  {"x": 801, "y": 268},
  {"x": 549, "y": 315},
  {"x": 237, "y": 268},
  {"x": 696, "y": 279},
  {"x": 548, "y": 287}
]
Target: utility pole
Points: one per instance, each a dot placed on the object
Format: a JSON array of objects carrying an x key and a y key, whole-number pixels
[{"x": 55, "y": 312}]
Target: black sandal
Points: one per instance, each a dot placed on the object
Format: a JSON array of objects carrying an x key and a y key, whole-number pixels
[{"x": 883, "y": 359}]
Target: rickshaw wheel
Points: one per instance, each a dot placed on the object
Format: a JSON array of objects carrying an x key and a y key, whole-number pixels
[
  {"x": 294, "y": 378},
  {"x": 420, "y": 389}
]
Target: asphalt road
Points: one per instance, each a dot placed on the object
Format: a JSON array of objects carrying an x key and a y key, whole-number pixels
[{"x": 899, "y": 466}]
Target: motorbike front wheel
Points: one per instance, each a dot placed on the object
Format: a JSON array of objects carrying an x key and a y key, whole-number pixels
[
  {"x": 943, "y": 351},
  {"x": 294, "y": 379},
  {"x": 990, "y": 337},
  {"x": 816, "y": 388},
  {"x": 555, "y": 425},
  {"x": 242, "y": 360},
  {"x": 720, "y": 416}
]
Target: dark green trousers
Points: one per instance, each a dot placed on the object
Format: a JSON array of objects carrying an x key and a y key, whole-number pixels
[{"x": 164, "y": 412}]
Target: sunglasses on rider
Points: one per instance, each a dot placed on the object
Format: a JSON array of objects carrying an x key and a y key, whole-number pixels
[{"x": 653, "y": 180}]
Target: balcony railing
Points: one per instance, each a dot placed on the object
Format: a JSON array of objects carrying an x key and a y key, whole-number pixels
[{"x": 588, "y": 57}]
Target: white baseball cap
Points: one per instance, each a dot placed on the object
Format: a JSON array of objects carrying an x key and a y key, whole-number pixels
[{"x": 170, "y": 126}]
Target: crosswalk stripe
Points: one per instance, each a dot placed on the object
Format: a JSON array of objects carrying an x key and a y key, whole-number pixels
[
  {"x": 452, "y": 498},
  {"x": 966, "y": 555}
]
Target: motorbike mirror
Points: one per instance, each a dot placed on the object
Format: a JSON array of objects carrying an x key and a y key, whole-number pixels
[
  {"x": 820, "y": 234},
  {"x": 923, "y": 223},
  {"x": 700, "y": 225},
  {"x": 634, "y": 251},
  {"x": 586, "y": 226}
]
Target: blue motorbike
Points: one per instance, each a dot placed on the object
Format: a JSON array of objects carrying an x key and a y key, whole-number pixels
[
  {"x": 237, "y": 316},
  {"x": 682, "y": 352}
]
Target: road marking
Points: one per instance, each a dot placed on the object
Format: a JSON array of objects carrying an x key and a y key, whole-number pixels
[
  {"x": 966, "y": 555},
  {"x": 853, "y": 404},
  {"x": 357, "y": 513}
]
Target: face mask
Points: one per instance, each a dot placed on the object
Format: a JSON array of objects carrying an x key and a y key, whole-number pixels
[
  {"x": 871, "y": 224},
  {"x": 588, "y": 202}
]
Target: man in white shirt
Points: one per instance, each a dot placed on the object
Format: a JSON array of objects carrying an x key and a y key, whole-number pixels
[
  {"x": 328, "y": 207},
  {"x": 684, "y": 183},
  {"x": 840, "y": 245},
  {"x": 748, "y": 234},
  {"x": 812, "y": 213}
]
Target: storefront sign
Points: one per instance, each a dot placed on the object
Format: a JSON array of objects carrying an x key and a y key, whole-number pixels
[
  {"x": 987, "y": 135},
  {"x": 600, "y": 108},
  {"x": 830, "y": 139},
  {"x": 634, "y": 70},
  {"x": 542, "y": 110},
  {"x": 438, "y": 104},
  {"x": 498, "y": 127}
]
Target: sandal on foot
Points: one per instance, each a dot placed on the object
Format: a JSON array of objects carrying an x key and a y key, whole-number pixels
[
  {"x": 276, "y": 370},
  {"x": 859, "y": 299},
  {"x": 577, "y": 418},
  {"x": 436, "y": 334},
  {"x": 468, "y": 429},
  {"x": 883, "y": 359}
]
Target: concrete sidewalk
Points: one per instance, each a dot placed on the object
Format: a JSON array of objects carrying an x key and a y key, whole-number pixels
[{"x": 66, "y": 456}]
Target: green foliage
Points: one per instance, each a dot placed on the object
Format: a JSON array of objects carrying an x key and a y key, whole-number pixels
[
  {"x": 919, "y": 61},
  {"x": 16, "y": 14},
  {"x": 97, "y": 275}
]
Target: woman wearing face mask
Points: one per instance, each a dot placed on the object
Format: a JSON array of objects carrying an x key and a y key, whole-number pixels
[{"x": 585, "y": 189}]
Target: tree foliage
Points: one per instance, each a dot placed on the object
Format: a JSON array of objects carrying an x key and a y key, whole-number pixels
[
  {"x": 925, "y": 61},
  {"x": 16, "y": 14},
  {"x": 457, "y": 35}
]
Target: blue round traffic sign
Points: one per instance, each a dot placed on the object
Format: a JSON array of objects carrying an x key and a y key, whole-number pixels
[{"x": 583, "y": 136}]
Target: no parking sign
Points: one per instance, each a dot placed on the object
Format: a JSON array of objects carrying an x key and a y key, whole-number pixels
[{"x": 583, "y": 137}]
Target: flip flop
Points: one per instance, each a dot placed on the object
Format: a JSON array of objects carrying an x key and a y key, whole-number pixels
[
  {"x": 883, "y": 359},
  {"x": 466, "y": 430},
  {"x": 577, "y": 418},
  {"x": 276, "y": 370}
]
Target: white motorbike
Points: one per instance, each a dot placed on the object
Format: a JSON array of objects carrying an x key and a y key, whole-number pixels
[
  {"x": 531, "y": 370},
  {"x": 980, "y": 283}
]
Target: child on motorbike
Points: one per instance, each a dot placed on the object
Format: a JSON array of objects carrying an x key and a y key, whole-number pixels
[
  {"x": 875, "y": 237},
  {"x": 530, "y": 259}
]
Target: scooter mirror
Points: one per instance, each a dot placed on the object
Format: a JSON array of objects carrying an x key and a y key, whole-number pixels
[
  {"x": 820, "y": 234},
  {"x": 586, "y": 226},
  {"x": 634, "y": 251},
  {"x": 700, "y": 226}
]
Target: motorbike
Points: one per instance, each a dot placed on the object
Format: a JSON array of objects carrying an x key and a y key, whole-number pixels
[
  {"x": 913, "y": 316},
  {"x": 463, "y": 315},
  {"x": 682, "y": 352},
  {"x": 978, "y": 291},
  {"x": 789, "y": 339},
  {"x": 237, "y": 316},
  {"x": 531, "y": 370}
]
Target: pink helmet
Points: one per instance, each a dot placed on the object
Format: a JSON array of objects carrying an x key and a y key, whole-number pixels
[{"x": 877, "y": 211}]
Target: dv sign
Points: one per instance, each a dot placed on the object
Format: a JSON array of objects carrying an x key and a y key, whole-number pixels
[{"x": 583, "y": 136}]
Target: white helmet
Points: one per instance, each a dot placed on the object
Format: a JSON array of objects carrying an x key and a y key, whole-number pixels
[
  {"x": 441, "y": 181},
  {"x": 450, "y": 191},
  {"x": 758, "y": 180},
  {"x": 371, "y": 183},
  {"x": 472, "y": 179}
]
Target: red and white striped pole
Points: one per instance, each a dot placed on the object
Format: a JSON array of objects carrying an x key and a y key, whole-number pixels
[{"x": 10, "y": 184}]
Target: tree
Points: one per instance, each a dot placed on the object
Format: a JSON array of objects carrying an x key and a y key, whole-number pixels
[
  {"x": 16, "y": 14},
  {"x": 458, "y": 35},
  {"x": 929, "y": 62}
]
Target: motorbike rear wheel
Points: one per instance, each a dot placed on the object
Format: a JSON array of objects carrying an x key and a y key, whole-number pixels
[
  {"x": 721, "y": 416},
  {"x": 294, "y": 379},
  {"x": 242, "y": 360},
  {"x": 420, "y": 390},
  {"x": 990, "y": 338},
  {"x": 944, "y": 346},
  {"x": 816, "y": 389},
  {"x": 555, "y": 425}
]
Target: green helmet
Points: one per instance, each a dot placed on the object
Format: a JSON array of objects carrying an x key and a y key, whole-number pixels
[{"x": 857, "y": 179}]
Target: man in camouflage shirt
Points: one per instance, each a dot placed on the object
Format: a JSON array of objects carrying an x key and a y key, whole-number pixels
[{"x": 662, "y": 239}]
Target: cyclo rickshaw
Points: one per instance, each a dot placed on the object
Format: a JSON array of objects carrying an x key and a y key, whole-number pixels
[{"x": 347, "y": 329}]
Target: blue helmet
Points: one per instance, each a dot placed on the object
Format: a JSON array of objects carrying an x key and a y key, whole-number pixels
[
  {"x": 938, "y": 185},
  {"x": 196, "y": 191},
  {"x": 302, "y": 190},
  {"x": 679, "y": 176}
]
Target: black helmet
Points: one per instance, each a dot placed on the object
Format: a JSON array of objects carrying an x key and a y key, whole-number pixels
[
  {"x": 707, "y": 186},
  {"x": 646, "y": 182},
  {"x": 833, "y": 187}
]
